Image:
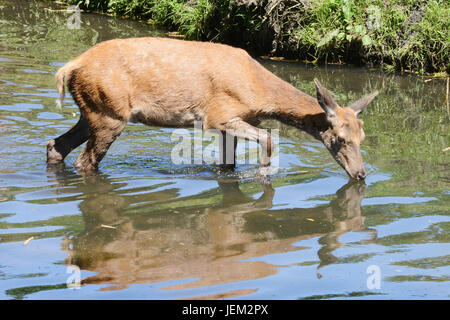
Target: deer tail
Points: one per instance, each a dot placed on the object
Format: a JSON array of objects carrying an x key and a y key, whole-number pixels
[{"x": 60, "y": 83}]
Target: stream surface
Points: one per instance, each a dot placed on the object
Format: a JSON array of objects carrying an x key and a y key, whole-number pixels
[{"x": 145, "y": 228}]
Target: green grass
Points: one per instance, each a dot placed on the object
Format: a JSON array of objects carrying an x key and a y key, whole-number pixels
[{"x": 398, "y": 35}]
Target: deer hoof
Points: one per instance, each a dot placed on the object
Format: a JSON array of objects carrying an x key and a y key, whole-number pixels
[{"x": 53, "y": 156}]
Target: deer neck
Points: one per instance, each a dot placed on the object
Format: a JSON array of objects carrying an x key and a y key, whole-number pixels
[{"x": 296, "y": 108}]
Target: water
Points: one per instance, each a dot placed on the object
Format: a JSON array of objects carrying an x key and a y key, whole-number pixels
[{"x": 144, "y": 228}]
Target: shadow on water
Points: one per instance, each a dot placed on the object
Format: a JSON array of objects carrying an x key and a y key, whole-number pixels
[{"x": 208, "y": 243}]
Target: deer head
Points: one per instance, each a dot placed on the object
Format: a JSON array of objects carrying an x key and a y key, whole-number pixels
[{"x": 344, "y": 133}]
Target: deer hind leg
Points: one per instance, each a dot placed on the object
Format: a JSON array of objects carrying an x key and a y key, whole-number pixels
[
  {"x": 59, "y": 148},
  {"x": 241, "y": 129},
  {"x": 104, "y": 130}
]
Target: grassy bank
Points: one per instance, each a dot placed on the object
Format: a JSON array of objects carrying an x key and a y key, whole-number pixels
[{"x": 398, "y": 35}]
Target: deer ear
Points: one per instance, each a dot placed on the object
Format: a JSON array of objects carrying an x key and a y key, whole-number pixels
[
  {"x": 325, "y": 100},
  {"x": 361, "y": 104}
]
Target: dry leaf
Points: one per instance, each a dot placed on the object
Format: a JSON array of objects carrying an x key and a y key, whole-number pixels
[{"x": 28, "y": 241}]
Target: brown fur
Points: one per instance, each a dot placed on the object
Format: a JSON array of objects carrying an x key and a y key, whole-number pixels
[{"x": 172, "y": 83}]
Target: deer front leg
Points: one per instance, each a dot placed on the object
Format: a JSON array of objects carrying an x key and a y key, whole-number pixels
[
  {"x": 227, "y": 150},
  {"x": 241, "y": 129}
]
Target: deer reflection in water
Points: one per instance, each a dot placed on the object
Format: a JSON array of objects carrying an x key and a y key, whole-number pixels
[{"x": 132, "y": 238}]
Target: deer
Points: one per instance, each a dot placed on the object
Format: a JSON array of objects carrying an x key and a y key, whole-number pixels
[{"x": 173, "y": 83}]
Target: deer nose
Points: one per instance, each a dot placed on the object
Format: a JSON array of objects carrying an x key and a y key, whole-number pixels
[{"x": 361, "y": 175}]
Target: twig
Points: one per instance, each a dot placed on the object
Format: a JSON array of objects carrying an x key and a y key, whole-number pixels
[
  {"x": 64, "y": 10},
  {"x": 106, "y": 226}
]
